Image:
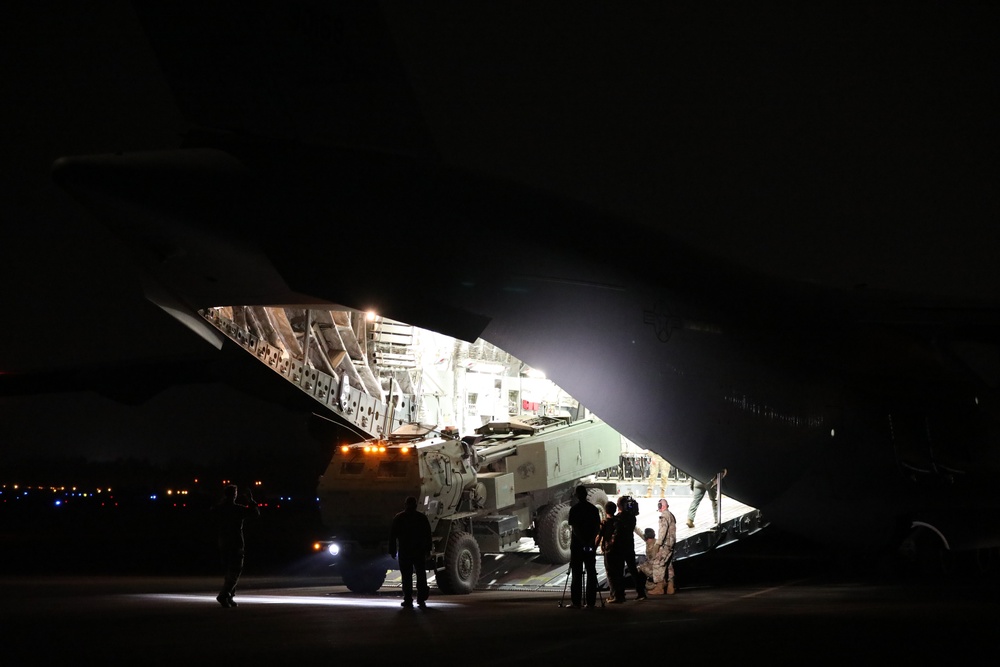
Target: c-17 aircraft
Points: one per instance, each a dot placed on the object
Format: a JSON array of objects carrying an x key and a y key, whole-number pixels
[{"x": 316, "y": 172}]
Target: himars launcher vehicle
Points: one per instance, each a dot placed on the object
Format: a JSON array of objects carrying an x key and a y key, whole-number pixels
[{"x": 482, "y": 494}]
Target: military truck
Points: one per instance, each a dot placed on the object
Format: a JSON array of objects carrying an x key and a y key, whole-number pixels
[{"x": 482, "y": 494}]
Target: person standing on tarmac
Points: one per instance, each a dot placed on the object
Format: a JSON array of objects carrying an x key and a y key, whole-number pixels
[
  {"x": 605, "y": 539},
  {"x": 623, "y": 553},
  {"x": 229, "y": 516},
  {"x": 410, "y": 539},
  {"x": 585, "y": 523}
]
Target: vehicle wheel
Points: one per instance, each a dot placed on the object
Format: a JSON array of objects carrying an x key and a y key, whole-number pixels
[
  {"x": 598, "y": 497},
  {"x": 365, "y": 579},
  {"x": 922, "y": 555},
  {"x": 443, "y": 582},
  {"x": 462, "y": 565},
  {"x": 553, "y": 534}
]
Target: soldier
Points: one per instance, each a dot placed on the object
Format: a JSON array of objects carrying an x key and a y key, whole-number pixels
[
  {"x": 229, "y": 516},
  {"x": 658, "y": 466},
  {"x": 585, "y": 521},
  {"x": 410, "y": 539},
  {"x": 659, "y": 563},
  {"x": 650, "y": 568}
]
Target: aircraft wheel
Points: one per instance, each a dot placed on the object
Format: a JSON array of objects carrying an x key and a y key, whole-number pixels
[
  {"x": 364, "y": 579},
  {"x": 462, "y": 565},
  {"x": 553, "y": 534}
]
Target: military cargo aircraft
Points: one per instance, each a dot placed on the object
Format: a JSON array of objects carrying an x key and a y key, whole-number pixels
[{"x": 720, "y": 233}]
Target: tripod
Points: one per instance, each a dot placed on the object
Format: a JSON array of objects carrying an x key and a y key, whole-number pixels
[{"x": 569, "y": 573}]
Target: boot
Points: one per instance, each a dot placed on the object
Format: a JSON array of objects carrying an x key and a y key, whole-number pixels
[
  {"x": 670, "y": 587},
  {"x": 690, "y": 523},
  {"x": 657, "y": 589}
]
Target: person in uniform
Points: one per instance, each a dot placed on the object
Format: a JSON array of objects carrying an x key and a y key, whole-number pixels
[
  {"x": 648, "y": 567},
  {"x": 585, "y": 523},
  {"x": 229, "y": 516},
  {"x": 410, "y": 541},
  {"x": 659, "y": 565},
  {"x": 658, "y": 467}
]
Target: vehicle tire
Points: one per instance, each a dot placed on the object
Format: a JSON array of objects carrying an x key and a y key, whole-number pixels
[
  {"x": 553, "y": 534},
  {"x": 462, "y": 565},
  {"x": 364, "y": 579},
  {"x": 598, "y": 497},
  {"x": 923, "y": 555}
]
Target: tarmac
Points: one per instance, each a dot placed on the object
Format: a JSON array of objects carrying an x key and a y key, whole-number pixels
[
  {"x": 765, "y": 599},
  {"x": 289, "y": 621}
]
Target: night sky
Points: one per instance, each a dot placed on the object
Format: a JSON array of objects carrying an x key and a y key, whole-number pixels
[{"x": 844, "y": 146}]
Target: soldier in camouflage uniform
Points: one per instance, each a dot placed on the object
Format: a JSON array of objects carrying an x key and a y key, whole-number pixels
[
  {"x": 651, "y": 567},
  {"x": 659, "y": 565},
  {"x": 658, "y": 466}
]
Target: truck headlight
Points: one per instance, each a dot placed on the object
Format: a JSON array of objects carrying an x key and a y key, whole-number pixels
[{"x": 332, "y": 548}]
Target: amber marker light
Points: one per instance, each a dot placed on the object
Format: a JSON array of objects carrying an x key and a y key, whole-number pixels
[
  {"x": 345, "y": 448},
  {"x": 404, "y": 450}
]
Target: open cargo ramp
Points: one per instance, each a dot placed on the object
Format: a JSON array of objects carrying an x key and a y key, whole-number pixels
[{"x": 524, "y": 570}]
